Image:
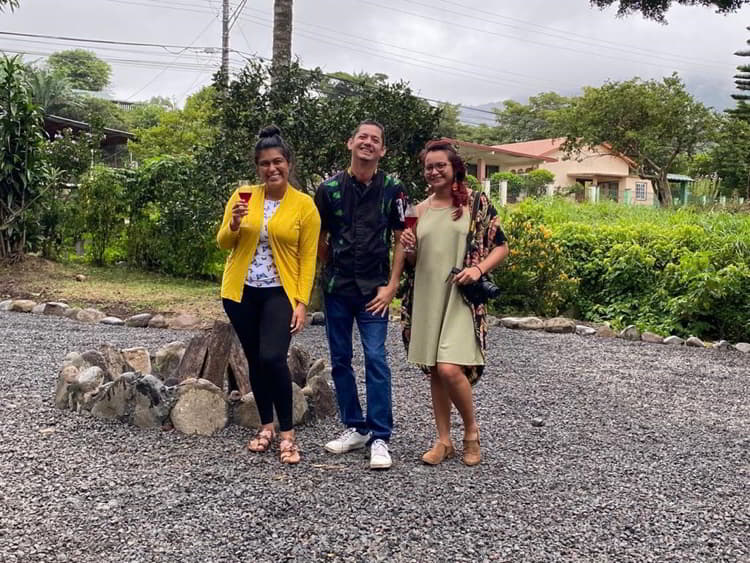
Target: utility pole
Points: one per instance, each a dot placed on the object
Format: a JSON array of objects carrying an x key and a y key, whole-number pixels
[{"x": 225, "y": 41}]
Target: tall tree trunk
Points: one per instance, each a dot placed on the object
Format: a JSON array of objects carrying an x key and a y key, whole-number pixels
[
  {"x": 664, "y": 192},
  {"x": 282, "y": 33}
]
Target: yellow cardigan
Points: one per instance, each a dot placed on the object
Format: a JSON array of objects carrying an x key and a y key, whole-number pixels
[{"x": 293, "y": 234}]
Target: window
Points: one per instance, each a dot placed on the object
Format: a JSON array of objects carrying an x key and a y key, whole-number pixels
[
  {"x": 640, "y": 191},
  {"x": 471, "y": 169}
]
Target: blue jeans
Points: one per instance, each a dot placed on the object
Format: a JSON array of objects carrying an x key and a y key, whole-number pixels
[{"x": 341, "y": 311}]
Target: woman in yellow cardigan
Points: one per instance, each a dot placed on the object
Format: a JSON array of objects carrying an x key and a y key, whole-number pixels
[{"x": 272, "y": 230}]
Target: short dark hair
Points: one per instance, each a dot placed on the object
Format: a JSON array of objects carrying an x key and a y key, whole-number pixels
[
  {"x": 270, "y": 138},
  {"x": 370, "y": 122}
]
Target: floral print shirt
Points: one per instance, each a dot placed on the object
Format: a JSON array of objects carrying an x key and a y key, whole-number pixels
[{"x": 262, "y": 271}]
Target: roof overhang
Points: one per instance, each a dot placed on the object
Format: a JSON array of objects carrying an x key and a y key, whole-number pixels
[
  {"x": 496, "y": 156},
  {"x": 53, "y": 124}
]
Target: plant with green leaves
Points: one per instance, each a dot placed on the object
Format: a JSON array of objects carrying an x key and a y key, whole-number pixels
[
  {"x": 82, "y": 68},
  {"x": 23, "y": 176}
]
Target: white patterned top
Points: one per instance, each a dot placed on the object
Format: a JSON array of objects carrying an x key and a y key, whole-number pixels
[{"x": 262, "y": 271}]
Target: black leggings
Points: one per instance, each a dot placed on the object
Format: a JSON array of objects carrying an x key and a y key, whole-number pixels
[{"x": 262, "y": 322}]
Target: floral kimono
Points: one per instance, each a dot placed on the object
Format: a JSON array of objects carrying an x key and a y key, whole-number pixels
[{"x": 483, "y": 242}]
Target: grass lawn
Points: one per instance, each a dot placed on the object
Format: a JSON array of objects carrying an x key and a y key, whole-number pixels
[{"x": 115, "y": 290}]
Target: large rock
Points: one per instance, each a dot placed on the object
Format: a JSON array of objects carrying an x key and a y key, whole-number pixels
[
  {"x": 74, "y": 358},
  {"x": 722, "y": 345},
  {"x": 115, "y": 399},
  {"x": 113, "y": 360},
  {"x": 185, "y": 322},
  {"x": 531, "y": 323},
  {"x": 743, "y": 347},
  {"x": 300, "y": 408},
  {"x": 674, "y": 340},
  {"x": 630, "y": 333},
  {"x": 322, "y": 398},
  {"x": 141, "y": 320},
  {"x": 71, "y": 313},
  {"x": 560, "y": 325},
  {"x": 112, "y": 321},
  {"x": 6, "y": 305},
  {"x": 200, "y": 408},
  {"x": 652, "y": 338},
  {"x": 90, "y": 315},
  {"x": 245, "y": 413},
  {"x": 56, "y": 309},
  {"x": 318, "y": 367},
  {"x": 95, "y": 358},
  {"x": 298, "y": 361},
  {"x": 39, "y": 309},
  {"x": 605, "y": 332},
  {"x": 510, "y": 322},
  {"x": 84, "y": 388},
  {"x": 137, "y": 359},
  {"x": 168, "y": 358},
  {"x": 22, "y": 305},
  {"x": 695, "y": 342},
  {"x": 153, "y": 401},
  {"x": 583, "y": 330},
  {"x": 68, "y": 374},
  {"x": 318, "y": 319},
  {"x": 158, "y": 321}
]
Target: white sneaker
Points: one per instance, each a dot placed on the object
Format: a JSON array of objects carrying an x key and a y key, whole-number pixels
[
  {"x": 348, "y": 441},
  {"x": 379, "y": 456}
]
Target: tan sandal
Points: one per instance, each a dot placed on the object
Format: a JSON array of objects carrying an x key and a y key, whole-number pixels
[
  {"x": 438, "y": 453},
  {"x": 472, "y": 452},
  {"x": 261, "y": 442},
  {"x": 289, "y": 452}
]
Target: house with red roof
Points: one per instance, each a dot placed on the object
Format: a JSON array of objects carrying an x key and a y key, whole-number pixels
[{"x": 604, "y": 173}]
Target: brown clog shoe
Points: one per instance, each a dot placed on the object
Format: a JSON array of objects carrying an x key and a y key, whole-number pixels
[
  {"x": 472, "y": 453},
  {"x": 438, "y": 453}
]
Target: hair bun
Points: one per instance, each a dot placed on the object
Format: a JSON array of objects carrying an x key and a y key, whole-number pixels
[{"x": 269, "y": 131}]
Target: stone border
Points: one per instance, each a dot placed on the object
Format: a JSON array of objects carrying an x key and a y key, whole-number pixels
[
  {"x": 181, "y": 321},
  {"x": 562, "y": 325}
]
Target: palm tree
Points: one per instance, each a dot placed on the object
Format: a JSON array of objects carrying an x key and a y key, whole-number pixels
[
  {"x": 282, "y": 33},
  {"x": 50, "y": 91}
]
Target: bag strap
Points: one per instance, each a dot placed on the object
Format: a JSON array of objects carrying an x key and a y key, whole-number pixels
[{"x": 472, "y": 222}]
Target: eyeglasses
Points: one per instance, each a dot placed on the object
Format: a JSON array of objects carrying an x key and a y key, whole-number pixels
[{"x": 439, "y": 166}]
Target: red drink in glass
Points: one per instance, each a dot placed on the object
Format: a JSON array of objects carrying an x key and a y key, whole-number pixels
[
  {"x": 245, "y": 196},
  {"x": 410, "y": 222}
]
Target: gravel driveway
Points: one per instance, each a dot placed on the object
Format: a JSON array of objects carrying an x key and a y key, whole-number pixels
[{"x": 645, "y": 456}]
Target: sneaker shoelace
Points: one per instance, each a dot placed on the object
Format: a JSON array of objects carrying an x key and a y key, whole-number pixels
[
  {"x": 379, "y": 447},
  {"x": 348, "y": 433}
]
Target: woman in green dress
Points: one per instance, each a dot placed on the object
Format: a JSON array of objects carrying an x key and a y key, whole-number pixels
[{"x": 445, "y": 333}]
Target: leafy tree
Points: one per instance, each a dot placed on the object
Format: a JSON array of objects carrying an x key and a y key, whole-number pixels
[
  {"x": 23, "y": 178},
  {"x": 82, "y": 68},
  {"x": 12, "y": 4},
  {"x": 315, "y": 124},
  {"x": 483, "y": 134},
  {"x": 652, "y": 122},
  {"x": 518, "y": 122},
  {"x": 448, "y": 124},
  {"x": 343, "y": 84},
  {"x": 51, "y": 92},
  {"x": 731, "y": 156},
  {"x": 96, "y": 112},
  {"x": 177, "y": 132},
  {"x": 742, "y": 80},
  {"x": 655, "y": 9}
]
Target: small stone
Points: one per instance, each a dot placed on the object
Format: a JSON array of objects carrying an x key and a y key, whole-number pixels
[
  {"x": 23, "y": 305},
  {"x": 560, "y": 325},
  {"x": 56, "y": 309},
  {"x": 6, "y": 305},
  {"x": 90, "y": 315},
  {"x": 80, "y": 278},
  {"x": 630, "y": 333},
  {"x": 652, "y": 338},
  {"x": 510, "y": 322},
  {"x": 71, "y": 312},
  {"x": 674, "y": 340},
  {"x": 185, "y": 322},
  {"x": 537, "y": 422},
  {"x": 141, "y": 320},
  {"x": 722, "y": 345},
  {"x": 318, "y": 318},
  {"x": 531, "y": 323},
  {"x": 583, "y": 330},
  {"x": 47, "y": 431},
  {"x": 158, "y": 321},
  {"x": 695, "y": 342},
  {"x": 743, "y": 347},
  {"x": 605, "y": 332},
  {"x": 39, "y": 309},
  {"x": 112, "y": 321}
]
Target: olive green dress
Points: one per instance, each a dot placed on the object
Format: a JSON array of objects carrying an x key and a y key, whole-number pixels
[{"x": 442, "y": 326}]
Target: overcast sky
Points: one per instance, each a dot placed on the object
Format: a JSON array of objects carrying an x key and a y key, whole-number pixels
[{"x": 463, "y": 51}]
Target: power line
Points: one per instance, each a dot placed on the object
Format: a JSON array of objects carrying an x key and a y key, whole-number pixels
[{"x": 104, "y": 41}]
